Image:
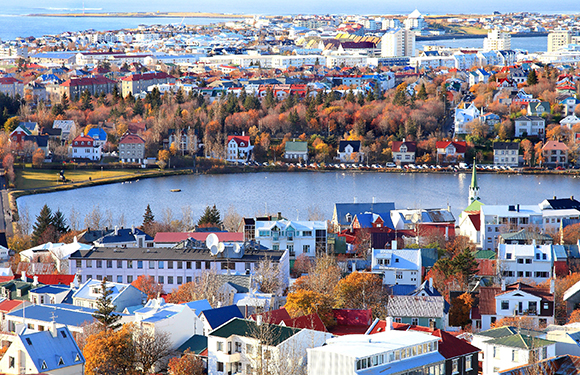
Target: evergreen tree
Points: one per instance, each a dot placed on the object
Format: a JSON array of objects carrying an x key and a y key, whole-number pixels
[
  {"x": 350, "y": 96},
  {"x": 370, "y": 96},
  {"x": 465, "y": 264},
  {"x": 211, "y": 217},
  {"x": 59, "y": 223},
  {"x": 105, "y": 312},
  {"x": 86, "y": 101},
  {"x": 148, "y": 217},
  {"x": 179, "y": 97},
  {"x": 64, "y": 102},
  {"x": 43, "y": 221},
  {"x": 532, "y": 78},
  {"x": 138, "y": 107},
  {"x": 360, "y": 99},
  {"x": 422, "y": 94}
]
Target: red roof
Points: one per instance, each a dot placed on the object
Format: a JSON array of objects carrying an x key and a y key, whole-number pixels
[
  {"x": 9, "y": 305},
  {"x": 146, "y": 76},
  {"x": 555, "y": 145},
  {"x": 174, "y": 237},
  {"x": 83, "y": 138},
  {"x": 88, "y": 81},
  {"x": 451, "y": 347},
  {"x": 8, "y": 80},
  {"x": 56, "y": 279},
  {"x": 132, "y": 138},
  {"x": 311, "y": 321},
  {"x": 272, "y": 317},
  {"x": 411, "y": 146},
  {"x": 351, "y": 321},
  {"x": 460, "y": 146},
  {"x": 475, "y": 220},
  {"x": 486, "y": 267},
  {"x": 487, "y": 295},
  {"x": 241, "y": 140}
]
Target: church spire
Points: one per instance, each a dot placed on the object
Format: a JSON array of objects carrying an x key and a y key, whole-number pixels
[{"x": 473, "y": 187}]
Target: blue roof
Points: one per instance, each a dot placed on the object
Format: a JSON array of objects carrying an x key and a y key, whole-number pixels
[
  {"x": 402, "y": 290},
  {"x": 85, "y": 290},
  {"x": 123, "y": 235},
  {"x": 52, "y": 352},
  {"x": 217, "y": 317},
  {"x": 366, "y": 220},
  {"x": 428, "y": 257},
  {"x": 199, "y": 306},
  {"x": 63, "y": 314},
  {"x": 97, "y": 134},
  {"x": 50, "y": 289},
  {"x": 353, "y": 209}
]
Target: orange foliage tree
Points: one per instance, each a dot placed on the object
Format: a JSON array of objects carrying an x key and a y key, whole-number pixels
[
  {"x": 525, "y": 322},
  {"x": 187, "y": 364},
  {"x": 361, "y": 290},
  {"x": 110, "y": 352},
  {"x": 305, "y": 302},
  {"x": 574, "y": 317},
  {"x": 460, "y": 309},
  {"x": 148, "y": 285}
]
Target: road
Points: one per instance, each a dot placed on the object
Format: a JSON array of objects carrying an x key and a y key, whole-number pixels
[{"x": 6, "y": 217}]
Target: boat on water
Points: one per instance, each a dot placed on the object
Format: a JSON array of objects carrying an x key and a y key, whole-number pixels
[{"x": 175, "y": 190}]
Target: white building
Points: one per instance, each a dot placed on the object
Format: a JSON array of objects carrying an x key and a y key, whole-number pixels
[
  {"x": 506, "y": 153},
  {"x": 505, "y": 218},
  {"x": 242, "y": 346},
  {"x": 238, "y": 148},
  {"x": 122, "y": 296},
  {"x": 415, "y": 21},
  {"x": 299, "y": 237},
  {"x": 497, "y": 41},
  {"x": 532, "y": 263},
  {"x": 464, "y": 115},
  {"x": 527, "y": 126},
  {"x": 398, "y": 42},
  {"x": 84, "y": 147},
  {"x": 388, "y": 352},
  {"x": 399, "y": 267}
]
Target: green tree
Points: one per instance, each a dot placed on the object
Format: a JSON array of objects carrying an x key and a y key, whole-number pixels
[
  {"x": 422, "y": 94},
  {"x": 211, "y": 217},
  {"x": 44, "y": 221},
  {"x": 59, "y": 223},
  {"x": 179, "y": 96},
  {"x": 148, "y": 219},
  {"x": 105, "y": 313},
  {"x": 86, "y": 103},
  {"x": 350, "y": 96},
  {"x": 11, "y": 124},
  {"x": 138, "y": 107},
  {"x": 532, "y": 78}
]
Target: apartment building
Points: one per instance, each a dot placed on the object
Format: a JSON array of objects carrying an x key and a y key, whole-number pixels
[{"x": 298, "y": 237}]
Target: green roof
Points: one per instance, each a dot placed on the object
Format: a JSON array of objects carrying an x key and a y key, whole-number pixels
[
  {"x": 484, "y": 254},
  {"x": 521, "y": 341},
  {"x": 507, "y": 331},
  {"x": 474, "y": 206},
  {"x": 525, "y": 235},
  {"x": 196, "y": 344},
  {"x": 296, "y": 146},
  {"x": 474, "y": 176},
  {"x": 249, "y": 328}
]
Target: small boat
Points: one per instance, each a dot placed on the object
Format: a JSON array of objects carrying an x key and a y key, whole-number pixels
[{"x": 175, "y": 190}]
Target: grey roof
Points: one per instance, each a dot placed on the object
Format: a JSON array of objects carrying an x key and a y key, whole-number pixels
[
  {"x": 242, "y": 283},
  {"x": 123, "y": 235},
  {"x": 506, "y": 145},
  {"x": 355, "y": 145},
  {"x": 415, "y": 306},
  {"x": 525, "y": 235}
]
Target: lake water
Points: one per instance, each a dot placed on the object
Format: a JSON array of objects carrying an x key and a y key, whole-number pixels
[{"x": 294, "y": 193}]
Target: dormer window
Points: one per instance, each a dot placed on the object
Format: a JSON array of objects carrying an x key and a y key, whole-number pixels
[
  {"x": 77, "y": 358},
  {"x": 60, "y": 362},
  {"x": 44, "y": 366}
]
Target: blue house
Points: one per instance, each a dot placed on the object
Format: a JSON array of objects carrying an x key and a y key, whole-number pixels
[
  {"x": 216, "y": 317},
  {"x": 40, "y": 317},
  {"x": 123, "y": 296},
  {"x": 344, "y": 213}
]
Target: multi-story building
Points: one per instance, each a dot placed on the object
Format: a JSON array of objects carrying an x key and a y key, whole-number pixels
[
  {"x": 404, "y": 152},
  {"x": 398, "y": 42},
  {"x": 398, "y": 267},
  {"x": 415, "y": 21},
  {"x": 506, "y": 218},
  {"x": 506, "y": 153},
  {"x": 11, "y": 86},
  {"x": 561, "y": 38},
  {"x": 135, "y": 84},
  {"x": 131, "y": 149},
  {"x": 84, "y": 147},
  {"x": 74, "y": 87},
  {"x": 532, "y": 263},
  {"x": 298, "y": 237},
  {"x": 388, "y": 352},
  {"x": 530, "y": 126},
  {"x": 122, "y": 295},
  {"x": 238, "y": 148},
  {"x": 171, "y": 267},
  {"x": 555, "y": 153},
  {"x": 497, "y": 41},
  {"x": 464, "y": 115}
]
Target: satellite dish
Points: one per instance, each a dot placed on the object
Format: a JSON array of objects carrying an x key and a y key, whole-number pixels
[
  {"x": 211, "y": 240},
  {"x": 221, "y": 247},
  {"x": 213, "y": 250},
  {"x": 237, "y": 248}
]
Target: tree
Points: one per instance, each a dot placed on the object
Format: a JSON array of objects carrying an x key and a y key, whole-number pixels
[
  {"x": 187, "y": 364},
  {"x": 522, "y": 322},
  {"x": 305, "y": 302},
  {"x": 269, "y": 276},
  {"x": 110, "y": 352},
  {"x": 460, "y": 310},
  {"x": 361, "y": 290},
  {"x": 422, "y": 94},
  {"x": 44, "y": 220},
  {"x": 532, "y": 78},
  {"x": 59, "y": 222},
  {"x": 11, "y": 124},
  {"x": 148, "y": 219},
  {"x": 105, "y": 309},
  {"x": 38, "y": 158},
  {"x": 210, "y": 218},
  {"x": 148, "y": 285},
  {"x": 539, "y": 153},
  {"x": 152, "y": 349},
  {"x": 232, "y": 219},
  {"x": 205, "y": 286}
]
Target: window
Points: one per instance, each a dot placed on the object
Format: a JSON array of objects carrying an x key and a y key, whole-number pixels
[
  {"x": 291, "y": 250},
  {"x": 495, "y": 352},
  {"x": 11, "y": 362},
  {"x": 188, "y": 279},
  {"x": 99, "y": 264},
  {"x": 238, "y": 347},
  {"x": 170, "y": 264},
  {"x": 179, "y": 280},
  {"x": 455, "y": 366},
  {"x": 140, "y": 264},
  {"x": 151, "y": 264},
  {"x": 508, "y": 256},
  {"x": 79, "y": 263},
  {"x": 109, "y": 264},
  {"x": 514, "y": 355},
  {"x": 188, "y": 265},
  {"x": 179, "y": 265},
  {"x": 160, "y": 280},
  {"x": 505, "y": 305},
  {"x": 207, "y": 265},
  {"x": 528, "y": 261},
  {"x": 306, "y": 249},
  {"x": 220, "y": 367},
  {"x": 198, "y": 265},
  {"x": 169, "y": 279},
  {"x": 544, "y": 352},
  {"x": 249, "y": 349},
  {"x": 468, "y": 365},
  {"x": 415, "y": 321},
  {"x": 399, "y": 275},
  {"x": 129, "y": 264},
  {"x": 89, "y": 277},
  {"x": 160, "y": 265},
  {"x": 520, "y": 260},
  {"x": 89, "y": 263},
  {"x": 129, "y": 279},
  {"x": 119, "y": 278}
]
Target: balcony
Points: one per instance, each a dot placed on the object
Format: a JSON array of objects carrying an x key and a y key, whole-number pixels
[{"x": 228, "y": 357}]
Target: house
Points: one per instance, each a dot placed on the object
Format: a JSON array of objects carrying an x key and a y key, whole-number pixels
[
  {"x": 569, "y": 105},
  {"x": 99, "y": 135},
  {"x": 17, "y": 289},
  {"x": 372, "y": 220},
  {"x": 39, "y": 142},
  {"x": 135, "y": 84},
  {"x": 180, "y": 322},
  {"x": 388, "y": 352},
  {"x": 506, "y": 153},
  {"x": 18, "y": 134},
  {"x": 122, "y": 296},
  {"x": 450, "y": 151},
  {"x": 298, "y": 237},
  {"x": 566, "y": 337},
  {"x": 238, "y": 148},
  {"x": 214, "y": 318},
  {"x": 570, "y": 121},
  {"x": 478, "y": 76},
  {"x": 31, "y": 126},
  {"x": 532, "y": 263},
  {"x": 66, "y": 126},
  {"x": 530, "y": 126},
  {"x": 238, "y": 347},
  {"x": 125, "y": 237},
  {"x": 39, "y": 317},
  {"x": 496, "y": 303},
  {"x": 74, "y": 87},
  {"x": 84, "y": 147},
  {"x": 131, "y": 149},
  {"x": 460, "y": 356},
  {"x": 491, "y": 120},
  {"x": 11, "y": 86},
  {"x": 555, "y": 153},
  {"x": 469, "y": 221},
  {"x": 507, "y": 347},
  {"x": 525, "y": 237},
  {"x": 404, "y": 152},
  {"x": 505, "y": 218},
  {"x": 56, "y": 253},
  {"x": 53, "y": 294},
  {"x": 463, "y": 115},
  {"x": 538, "y": 108},
  {"x": 185, "y": 140},
  {"x": 350, "y": 152},
  {"x": 297, "y": 150},
  {"x": 562, "y": 364},
  {"x": 53, "y": 352},
  {"x": 425, "y": 311},
  {"x": 398, "y": 267},
  {"x": 344, "y": 213},
  {"x": 424, "y": 221}
]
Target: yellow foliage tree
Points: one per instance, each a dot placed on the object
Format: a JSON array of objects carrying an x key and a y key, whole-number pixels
[
  {"x": 362, "y": 290},
  {"x": 305, "y": 302},
  {"x": 110, "y": 352},
  {"x": 38, "y": 158}
]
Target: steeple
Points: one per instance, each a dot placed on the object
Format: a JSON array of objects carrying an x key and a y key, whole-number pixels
[{"x": 473, "y": 187}]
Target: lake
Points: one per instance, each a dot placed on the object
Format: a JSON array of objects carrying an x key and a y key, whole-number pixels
[{"x": 295, "y": 193}]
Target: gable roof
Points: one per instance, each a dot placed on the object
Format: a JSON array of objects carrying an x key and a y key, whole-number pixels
[
  {"x": 196, "y": 344},
  {"x": 561, "y": 365},
  {"x": 131, "y": 138},
  {"x": 521, "y": 341},
  {"x": 460, "y": 146},
  {"x": 411, "y": 146},
  {"x": 218, "y": 316},
  {"x": 311, "y": 321},
  {"x": 296, "y": 146},
  {"x": 56, "y": 352},
  {"x": 247, "y": 328},
  {"x": 507, "y": 331},
  {"x": 199, "y": 306},
  {"x": 354, "y": 144},
  {"x": 416, "y": 306},
  {"x": 342, "y": 209},
  {"x": 451, "y": 347},
  {"x": 241, "y": 140},
  {"x": 273, "y": 316},
  {"x": 64, "y": 314}
]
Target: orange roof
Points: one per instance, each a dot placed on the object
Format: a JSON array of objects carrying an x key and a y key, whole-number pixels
[
  {"x": 9, "y": 305},
  {"x": 555, "y": 145}
]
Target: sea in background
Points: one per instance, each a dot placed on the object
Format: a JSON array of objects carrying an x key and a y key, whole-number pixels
[
  {"x": 531, "y": 44},
  {"x": 14, "y": 23}
]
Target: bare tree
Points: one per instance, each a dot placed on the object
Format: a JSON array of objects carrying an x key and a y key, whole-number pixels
[
  {"x": 94, "y": 218},
  {"x": 152, "y": 349},
  {"x": 269, "y": 276},
  {"x": 73, "y": 219},
  {"x": 88, "y": 329},
  {"x": 186, "y": 218},
  {"x": 315, "y": 214},
  {"x": 232, "y": 219},
  {"x": 23, "y": 221}
]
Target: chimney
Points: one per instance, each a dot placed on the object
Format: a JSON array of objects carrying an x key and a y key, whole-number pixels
[
  {"x": 394, "y": 244},
  {"x": 431, "y": 284},
  {"x": 503, "y": 285},
  {"x": 132, "y": 229},
  {"x": 116, "y": 230},
  {"x": 354, "y": 266},
  {"x": 35, "y": 280},
  {"x": 279, "y": 215},
  {"x": 552, "y": 285},
  {"x": 518, "y": 208},
  {"x": 53, "y": 329},
  {"x": 389, "y": 325},
  {"x": 23, "y": 277}
]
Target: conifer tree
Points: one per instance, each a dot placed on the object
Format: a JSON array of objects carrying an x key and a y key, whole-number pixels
[
  {"x": 43, "y": 221},
  {"x": 532, "y": 78},
  {"x": 211, "y": 216},
  {"x": 59, "y": 222},
  {"x": 148, "y": 217},
  {"x": 105, "y": 312}
]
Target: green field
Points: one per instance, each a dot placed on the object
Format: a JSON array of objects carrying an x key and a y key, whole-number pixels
[{"x": 42, "y": 178}]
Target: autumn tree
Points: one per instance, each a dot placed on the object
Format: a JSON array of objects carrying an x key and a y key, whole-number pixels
[
  {"x": 522, "y": 322},
  {"x": 305, "y": 302},
  {"x": 571, "y": 234},
  {"x": 269, "y": 276},
  {"x": 574, "y": 317},
  {"x": 205, "y": 286},
  {"x": 110, "y": 352},
  {"x": 105, "y": 312},
  {"x": 38, "y": 158},
  {"x": 187, "y": 364},
  {"x": 362, "y": 290},
  {"x": 148, "y": 285},
  {"x": 11, "y": 124},
  {"x": 539, "y": 153},
  {"x": 459, "y": 313}
]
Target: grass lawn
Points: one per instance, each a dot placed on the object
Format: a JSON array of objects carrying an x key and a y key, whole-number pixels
[{"x": 39, "y": 178}]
